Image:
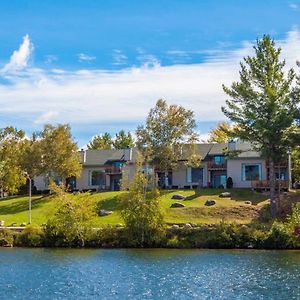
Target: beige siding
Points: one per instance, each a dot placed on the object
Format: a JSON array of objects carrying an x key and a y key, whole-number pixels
[
  {"x": 179, "y": 176},
  {"x": 82, "y": 182},
  {"x": 234, "y": 170},
  {"x": 39, "y": 183}
]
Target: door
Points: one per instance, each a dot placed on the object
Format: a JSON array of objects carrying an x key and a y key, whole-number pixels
[
  {"x": 218, "y": 179},
  {"x": 115, "y": 182}
]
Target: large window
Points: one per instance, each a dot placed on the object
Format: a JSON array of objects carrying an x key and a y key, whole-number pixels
[
  {"x": 97, "y": 178},
  {"x": 251, "y": 172},
  {"x": 195, "y": 175},
  {"x": 219, "y": 159}
]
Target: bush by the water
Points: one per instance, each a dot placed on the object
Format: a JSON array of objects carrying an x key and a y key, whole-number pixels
[
  {"x": 31, "y": 236},
  {"x": 6, "y": 238},
  {"x": 70, "y": 226},
  {"x": 141, "y": 212}
]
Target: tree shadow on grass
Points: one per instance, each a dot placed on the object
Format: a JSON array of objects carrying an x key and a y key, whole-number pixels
[
  {"x": 109, "y": 204},
  {"x": 22, "y": 205}
]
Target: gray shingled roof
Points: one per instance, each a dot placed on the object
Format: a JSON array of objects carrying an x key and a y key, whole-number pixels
[
  {"x": 247, "y": 150},
  {"x": 101, "y": 157},
  {"x": 217, "y": 148}
]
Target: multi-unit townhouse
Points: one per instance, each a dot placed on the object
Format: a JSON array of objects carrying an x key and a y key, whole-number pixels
[{"x": 104, "y": 169}]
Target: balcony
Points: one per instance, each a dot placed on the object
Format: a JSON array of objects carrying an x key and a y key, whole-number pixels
[
  {"x": 212, "y": 165},
  {"x": 282, "y": 165},
  {"x": 113, "y": 170},
  {"x": 265, "y": 184}
]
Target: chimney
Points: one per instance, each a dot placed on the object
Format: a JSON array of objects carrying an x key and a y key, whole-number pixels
[
  {"x": 127, "y": 154},
  {"x": 232, "y": 145},
  {"x": 83, "y": 156}
]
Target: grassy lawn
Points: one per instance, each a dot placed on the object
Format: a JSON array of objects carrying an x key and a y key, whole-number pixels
[{"x": 15, "y": 209}]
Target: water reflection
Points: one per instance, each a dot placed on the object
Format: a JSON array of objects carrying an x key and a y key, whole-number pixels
[{"x": 149, "y": 274}]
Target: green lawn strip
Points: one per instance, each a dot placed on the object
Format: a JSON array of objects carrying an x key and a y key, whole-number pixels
[{"x": 15, "y": 209}]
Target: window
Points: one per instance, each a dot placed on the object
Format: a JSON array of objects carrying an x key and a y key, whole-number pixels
[
  {"x": 251, "y": 172},
  {"x": 283, "y": 175},
  {"x": 194, "y": 175},
  {"x": 117, "y": 164},
  {"x": 219, "y": 159},
  {"x": 97, "y": 178}
]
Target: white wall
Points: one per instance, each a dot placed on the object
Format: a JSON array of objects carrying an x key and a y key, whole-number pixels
[
  {"x": 234, "y": 170},
  {"x": 179, "y": 176},
  {"x": 39, "y": 183},
  {"x": 82, "y": 183}
]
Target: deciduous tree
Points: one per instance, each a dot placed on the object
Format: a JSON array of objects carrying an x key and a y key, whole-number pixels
[
  {"x": 11, "y": 175},
  {"x": 168, "y": 128},
  {"x": 59, "y": 152},
  {"x": 222, "y": 133},
  {"x": 141, "y": 211}
]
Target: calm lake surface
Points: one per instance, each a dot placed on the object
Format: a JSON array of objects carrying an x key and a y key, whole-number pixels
[{"x": 148, "y": 274}]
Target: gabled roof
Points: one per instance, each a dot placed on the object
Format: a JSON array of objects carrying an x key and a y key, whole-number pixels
[
  {"x": 104, "y": 157},
  {"x": 101, "y": 157},
  {"x": 246, "y": 150},
  {"x": 200, "y": 149},
  {"x": 217, "y": 148}
]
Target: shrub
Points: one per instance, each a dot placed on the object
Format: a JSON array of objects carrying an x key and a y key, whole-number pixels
[
  {"x": 107, "y": 237},
  {"x": 70, "y": 226},
  {"x": 31, "y": 236},
  {"x": 6, "y": 238},
  {"x": 280, "y": 237},
  {"x": 141, "y": 213}
]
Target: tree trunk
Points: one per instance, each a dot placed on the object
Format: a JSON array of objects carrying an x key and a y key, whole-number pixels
[{"x": 272, "y": 188}]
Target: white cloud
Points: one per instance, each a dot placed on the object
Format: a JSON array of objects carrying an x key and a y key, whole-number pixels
[
  {"x": 46, "y": 117},
  {"x": 293, "y": 6},
  {"x": 20, "y": 58},
  {"x": 87, "y": 97},
  {"x": 50, "y": 58},
  {"x": 84, "y": 57},
  {"x": 119, "y": 58}
]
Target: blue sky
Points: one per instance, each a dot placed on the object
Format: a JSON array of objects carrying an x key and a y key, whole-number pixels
[{"x": 101, "y": 65}]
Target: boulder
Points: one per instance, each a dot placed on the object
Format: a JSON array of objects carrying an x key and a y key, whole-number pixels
[
  {"x": 187, "y": 226},
  {"x": 210, "y": 202},
  {"x": 104, "y": 212},
  {"x": 177, "y": 205},
  {"x": 2, "y": 223},
  {"x": 13, "y": 224},
  {"x": 225, "y": 195},
  {"x": 178, "y": 197},
  {"x": 248, "y": 202},
  {"x": 23, "y": 225},
  {"x": 175, "y": 227}
]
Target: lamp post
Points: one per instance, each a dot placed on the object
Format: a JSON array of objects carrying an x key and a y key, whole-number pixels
[
  {"x": 289, "y": 169},
  {"x": 29, "y": 204}
]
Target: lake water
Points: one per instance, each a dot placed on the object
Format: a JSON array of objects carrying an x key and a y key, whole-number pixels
[{"x": 148, "y": 274}]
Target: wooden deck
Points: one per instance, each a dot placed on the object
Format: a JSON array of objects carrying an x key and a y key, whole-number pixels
[{"x": 265, "y": 184}]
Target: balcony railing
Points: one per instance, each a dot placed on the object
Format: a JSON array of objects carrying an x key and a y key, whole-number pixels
[
  {"x": 216, "y": 166},
  {"x": 265, "y": 184},
  {"x": 113, "y": 170},
  {"x": 282, "y": 165}
]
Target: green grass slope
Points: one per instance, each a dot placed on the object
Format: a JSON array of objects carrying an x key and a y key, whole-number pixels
[{"x": 15, "y": 209}]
